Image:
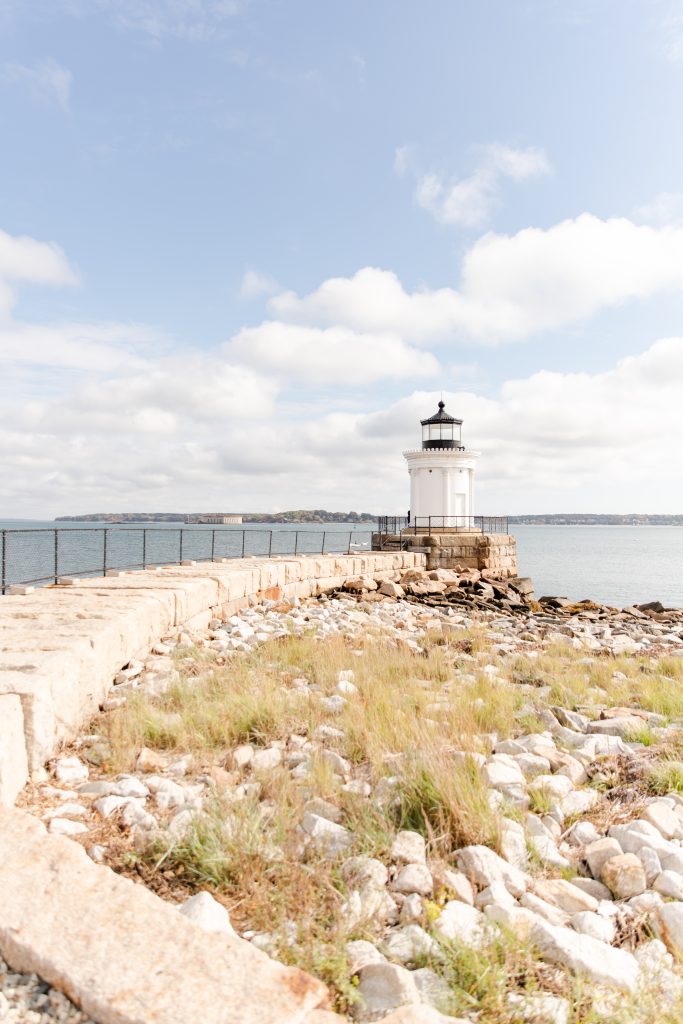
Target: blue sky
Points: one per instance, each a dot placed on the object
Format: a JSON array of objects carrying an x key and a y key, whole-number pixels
[{"x": 332, "y": 212}]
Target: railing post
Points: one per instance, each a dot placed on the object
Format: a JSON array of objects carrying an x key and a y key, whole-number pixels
[
  {"x": 296, "y": 542},
  {"x": 104, "y": 552},
  {"x": 181, "y": 545},
  {"x": 270, "y": 543},
  {"x": 213, "y": 544},
  {"x": 144, "y": 548},
  {"x": 348, "y": 550},
  {"x": 243, "y": 540},
  {"x": 322, "y": 546},
  {"x": 56, "y": 555},
  {"x": 3, "y": 580}
]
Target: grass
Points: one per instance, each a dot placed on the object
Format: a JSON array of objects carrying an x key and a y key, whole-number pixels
[{"x": 408, "y": 730}]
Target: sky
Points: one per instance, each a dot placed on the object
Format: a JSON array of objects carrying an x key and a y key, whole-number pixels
[{"x": 246, "y": 245}]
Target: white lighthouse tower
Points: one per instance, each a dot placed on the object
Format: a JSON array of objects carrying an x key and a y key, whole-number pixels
[{"x": 441, "y": 475}]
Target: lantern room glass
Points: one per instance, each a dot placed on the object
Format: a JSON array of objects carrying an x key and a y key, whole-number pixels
[{"x": 446, "y": 433}]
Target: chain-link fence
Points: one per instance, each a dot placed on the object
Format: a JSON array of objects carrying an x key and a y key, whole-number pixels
[{"x": 40, "y": 556}]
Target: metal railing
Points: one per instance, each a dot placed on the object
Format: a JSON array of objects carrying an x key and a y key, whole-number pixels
[
  {"x": 38, "y": 556},
  {"x": 433, "y": 524}
]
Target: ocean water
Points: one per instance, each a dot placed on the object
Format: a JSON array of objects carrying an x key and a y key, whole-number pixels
[{"x": 617, "y": 565}]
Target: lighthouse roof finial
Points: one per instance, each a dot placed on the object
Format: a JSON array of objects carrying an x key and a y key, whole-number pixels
[{"x": 441, "y": 416}]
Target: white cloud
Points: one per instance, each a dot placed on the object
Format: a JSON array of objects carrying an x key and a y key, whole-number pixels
[
  {"x": 46, "y": 80},
  {"x": 185, "y": 436},
  {"x": 194, "y": 20},
  {"x": 24, "y": 260},
  {"x": 666, "y": 208},
  {"x": 254, "y": 283},
  {"x": 469, "y": 201},
  {"x": 672, "y": 27},
  {"x": 511, "y": 285},
  {"x": 333, "y": 354}
]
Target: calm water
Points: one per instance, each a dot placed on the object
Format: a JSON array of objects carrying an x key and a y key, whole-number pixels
[{"x": 617, "y": 565}]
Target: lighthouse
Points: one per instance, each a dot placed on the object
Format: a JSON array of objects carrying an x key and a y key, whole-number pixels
[{"x": 441, "y": 475}]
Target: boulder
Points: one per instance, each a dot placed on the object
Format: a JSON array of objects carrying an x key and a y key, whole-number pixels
[
  {"x": 624, "y": 876},
  {"x": 483, "y": 867},
  {"x": 384, "y": 986},
  {"x": 583, "y": 955}
]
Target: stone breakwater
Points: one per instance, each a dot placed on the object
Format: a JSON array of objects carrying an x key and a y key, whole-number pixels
[
  {"x": 589, "y": 867},
  {"x": 588, "y": 888}
]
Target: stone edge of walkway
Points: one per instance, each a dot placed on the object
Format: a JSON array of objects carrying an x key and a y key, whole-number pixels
[{"x": 113, "y": 947}]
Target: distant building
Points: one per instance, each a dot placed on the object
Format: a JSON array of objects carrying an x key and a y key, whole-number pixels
[{"x": 215, "y": 519}]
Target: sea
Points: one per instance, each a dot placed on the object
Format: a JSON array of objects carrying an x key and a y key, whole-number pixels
[{"x": 616, "y": 565}]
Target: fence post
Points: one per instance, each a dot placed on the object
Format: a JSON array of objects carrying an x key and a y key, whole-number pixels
[
  {"x": 270, "y": 543},
  {"x": 144, "y": 548},
  {"x": 348, "y": 550},
  {"x": 3, "y": 581},
  {"x": 296, "y": 542},
  {"x": 322, "y": 547},
  {"x": 56, "y": 555},
  {"x": 243, "y": 539},
  {"x": 104, "y": 552},
  {"x": 181, "y": 545},
  {"x": 213, "y": 544}
]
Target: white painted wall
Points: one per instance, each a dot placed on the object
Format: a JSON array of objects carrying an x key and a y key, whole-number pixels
[{"x": 441, "y": 482}]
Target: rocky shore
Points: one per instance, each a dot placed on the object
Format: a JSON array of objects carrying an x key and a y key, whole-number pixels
[{"x": 454, "y": 780}]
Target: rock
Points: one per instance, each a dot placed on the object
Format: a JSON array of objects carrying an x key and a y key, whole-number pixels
[
  {"x": 331, "y": 838},
  {"x": 410, "y": 944},
  {"x": 547, "y": 852},
  {"x": 538, "y": 1008},
  {"x": 128, "y": 785},
  {"x": 670, "y": 884},
  {"x": 597, "y": 853},
  {"x": 582, "y": 834},
  {"x": 624, "y": 875},
  {"x": 664, "y": 819},
  {"x": 150, "y": 761},
  {"x": 389, "y": 589},
  {"x": 70, "y": 770},
  {"x": 652, "y": 865},
  {"x": 364, "y": 870},
  {"x": 208, "y": 913},
  {"x": 598, "y": 927},
  {"x": 592, "y": 887},
  {"x": 513, "y": 843},
  {"x": 267, "y": 759},
  {"x": 564, "y": 895},
  {"x": 408, "y": 848},
  {"x": 584, "y": 955},
  {"x": 668, "y": 926},
  {"x": 497, "y": 894},
  {"x": 384, "y": 986},
  {"x": 458, "y": 922},
  {"x": 434, "y": 990},
  {"x": 483, "y": 867},
  {"x": 414, "y": 878},
  {"x": 420, "y": 1015},
  {"x": 500, "y": 775},
  {"x": 242, "y": 756},
  {"x": 547, "y": 911},
  {"x": 623, "y": 727},
  {"x": 334, "y": 704},
  {"x": 412, "y": 910},
  {"x": 554, "y": 787},
  {"x": 457, "y": 884},
  {"x": 361, "y": 953},
  {"x": 66, "y": 827},
  {"x": 323, "y": 808},
  {"x": 108, "y": 805}
]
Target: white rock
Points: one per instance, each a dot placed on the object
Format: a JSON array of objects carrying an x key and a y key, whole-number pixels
[
  {"x": 458, "y": 922},
  {"x": 495, "y": 893},
  {"x": 129, "y": 786},
  {"x": 66, "y": 827},
  {"x": 615, "y": 968},
  {"x": 538, "y": 1008},
  {"x": 412, "y": 910},
  {"x": 66, "y": 810},
  {"x": 600, "y": 851},
  {"x": 410, "y": 944},
  {"x": 664, "y": 819},
  {"x": 598, "y": 927},
  {"x": 70, "y": 770},
  {"x": 484, "y": 866},
  {"x": 327, "y": 835},
  {"x": 669, "y": 883},
  {"x": 552, "y": 786},
  {"x": 384, "y": 986},
  {"x": 364, "y": 870},
  {"x": 624, "y": 876},
  {"x": 458, "y": 884},
  {"x": 108, "y": 805},
  {"x": 361, "y": 953},
  {"x": 208, "y": 913},
  {"x": 414, "y": 878},
  {"x": 408, "y": 848},
  {"x": 513, "y": 843},
  {"x": 668, "y": 925},
  {"x": 267, "y": 759}
]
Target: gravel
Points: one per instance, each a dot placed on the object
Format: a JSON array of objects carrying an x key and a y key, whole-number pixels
[{"x": 25, "y": 999}]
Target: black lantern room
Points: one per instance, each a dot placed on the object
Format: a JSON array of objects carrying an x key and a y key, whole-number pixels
[{"x": 441, "y": 430}]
